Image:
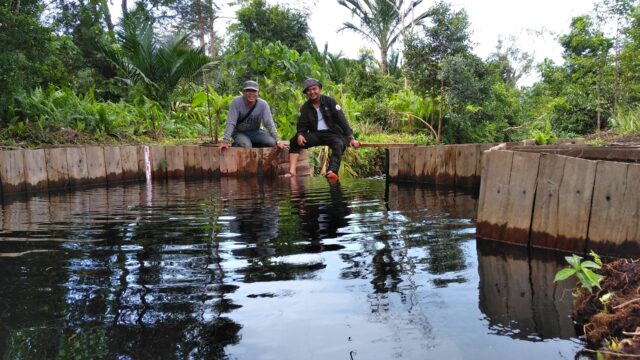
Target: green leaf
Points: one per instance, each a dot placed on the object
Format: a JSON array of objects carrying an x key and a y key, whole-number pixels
[
  {"x": 564, "y": 274},
  {"x": 590, "y": 265}
]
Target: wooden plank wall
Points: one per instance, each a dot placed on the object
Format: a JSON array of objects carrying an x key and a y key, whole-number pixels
[
  {"x": 559, "y": 202},
  {"x": 446, "y": 165},
  {"x": 33, "y": 171}
]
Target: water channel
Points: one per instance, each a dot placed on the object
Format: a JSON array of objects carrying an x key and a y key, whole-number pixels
[{"x": 271, "y": 269}]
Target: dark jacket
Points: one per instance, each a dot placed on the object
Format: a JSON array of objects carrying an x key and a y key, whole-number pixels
[{"x": 332, "y": 113}]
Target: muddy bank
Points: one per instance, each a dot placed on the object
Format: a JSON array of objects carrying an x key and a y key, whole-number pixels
[{"x": 610, "y": 316}]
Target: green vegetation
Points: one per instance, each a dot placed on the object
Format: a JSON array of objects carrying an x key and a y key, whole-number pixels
[
  {"x": 582, "y": 270},
  {"x": 160, "y": 73}
]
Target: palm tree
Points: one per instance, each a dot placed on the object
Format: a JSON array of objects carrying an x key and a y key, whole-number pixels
[
  {"x": 382, "y": 22},
  {"x": 158, "y": 66}
]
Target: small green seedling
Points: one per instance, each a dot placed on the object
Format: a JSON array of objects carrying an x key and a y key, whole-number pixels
[{"x": 582, "y": 270}]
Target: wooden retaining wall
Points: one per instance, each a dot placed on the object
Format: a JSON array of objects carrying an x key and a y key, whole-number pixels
[
  {"x": 446, "y": 165},
  {"x": 547, "y": 200},
  {"x": 34, "y": 171}
]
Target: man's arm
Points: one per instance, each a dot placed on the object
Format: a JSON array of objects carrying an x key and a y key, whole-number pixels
[{"x": 232, "y": 119}]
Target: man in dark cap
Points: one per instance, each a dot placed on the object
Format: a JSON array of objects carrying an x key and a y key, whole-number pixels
[
  {"x": 246, "y": 114},
  {"x": 321, "y": 122}
]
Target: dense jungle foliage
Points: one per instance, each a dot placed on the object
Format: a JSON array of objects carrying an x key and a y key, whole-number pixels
[{"x": 73, "y": 72}]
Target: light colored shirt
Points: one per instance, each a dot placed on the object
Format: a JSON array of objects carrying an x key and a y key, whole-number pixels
[
  {"x": 260, "y": 115},
  {"x": 322, "y": 124}
]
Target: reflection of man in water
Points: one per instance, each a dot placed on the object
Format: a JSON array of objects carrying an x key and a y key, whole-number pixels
[{"x": 320, "y": 219}]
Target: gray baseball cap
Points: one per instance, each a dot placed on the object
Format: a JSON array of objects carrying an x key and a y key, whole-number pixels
[
  {"x": 250, "y": 85},
  {"x": 309, "y": 83}
]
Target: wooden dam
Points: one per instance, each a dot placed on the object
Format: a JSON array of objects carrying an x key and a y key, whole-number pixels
[{"x": 570, "y": 198}]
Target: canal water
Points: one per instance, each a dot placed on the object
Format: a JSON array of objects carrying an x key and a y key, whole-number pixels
[{"x": 271, "y": 269}]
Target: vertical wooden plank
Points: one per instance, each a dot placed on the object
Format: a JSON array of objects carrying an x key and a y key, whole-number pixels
[
  {"x": 605, "y": 225},
  {"x": 522, "y": 189},
  {"x": 544, "y": 225},
  {"x": 96, "y": 167},
  {"x": 229, "y": 161},
  {"x": 192, "y": 161},
  {"x": 445, "y": 165},
  {"x": 466, "y": 164},
  {"x": 159, "y": 163},
  {"x": 405, "y": 164},
  {"x": 57, "y": 168},
  {"x": 430, "y": 171},
  {"x": 494, "y": 194},
  {"x": 77, "y": 161},
  {"x": 393, "y": 156},
  {"x": 175, "y": 161},
  {"x": 35, "y": 166},
  {"x": 420, "y": 163},
  {"x": 632, "y": 204},
  {"x": 249, "y": 161},
  {"x": 113, "y": 164},
  {"x": 12, "y": 172},
  {"x": 210, "y": 156},
  {"x": 129, "y": 163},
  {"x": 574, "y": 203}
]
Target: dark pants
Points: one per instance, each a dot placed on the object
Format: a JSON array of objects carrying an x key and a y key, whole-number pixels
[{"x": 336, "y": 142}]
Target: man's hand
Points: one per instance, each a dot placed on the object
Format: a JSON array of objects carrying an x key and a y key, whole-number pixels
[
  {"x": 280, "y": 145},
  {"x": 354, "y": 143},
  {"x": 223, "y": 145},
  {"x": 301, "y": 140}
]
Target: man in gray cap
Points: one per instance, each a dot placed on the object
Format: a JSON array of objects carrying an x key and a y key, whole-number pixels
[
  {"x": 321, "y": 122},
  {"x": 246, "y": 113}
]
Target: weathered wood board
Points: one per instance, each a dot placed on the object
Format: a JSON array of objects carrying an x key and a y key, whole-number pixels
[
  {"x": 193, "y": 163},
  {"x": 607, "y": 230},
  {"x": 544, "y": 225},
  {"x": 522, "y": 185},
  {"x": 35, "y": 166},
  {"x": 96, "y": 168},
  {"x": 113, "y": 164},
  {"x": 77, "y": 161},
  {"x": 574, "y": 204},
  {"x": 494, "y": 194},
  {"x": 467, "y": 158},
  {"x": 57, "y": 168},
  {"x": 12, "y": 171},
  {"x": 129, "y": 161},
  {"x": 175, "y": 161}
]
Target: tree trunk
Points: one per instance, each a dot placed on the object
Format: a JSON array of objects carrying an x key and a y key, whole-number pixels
[
  {"x": 440, "y": 111},
  {"x": 212, "y": 33},
  {"x": 107, "y": 17},
  {"x": 598, "y": 110},
  {"x": 200, "y": 24},
  {"x": 124, "y": 6},
  {"x": 385, "y": 62}
]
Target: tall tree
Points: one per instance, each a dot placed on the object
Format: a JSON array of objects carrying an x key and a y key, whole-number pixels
[
  {"x": 425, "y": 56},
  {"x": 260, "y": 21},
  {"x": 382, "y": 22},
  {"x": 586, "y": 52}
]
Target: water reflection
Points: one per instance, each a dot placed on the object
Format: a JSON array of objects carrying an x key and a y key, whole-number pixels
[
  {"x": 267, "y": 269},
  {"x": 518, "y": 295}
]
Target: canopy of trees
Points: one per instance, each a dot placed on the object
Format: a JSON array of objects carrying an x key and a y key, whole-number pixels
[{"x": 160, "y": 70}]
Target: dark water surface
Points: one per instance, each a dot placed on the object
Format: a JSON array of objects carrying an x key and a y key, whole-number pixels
[{"x": 273, "y": 269}]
